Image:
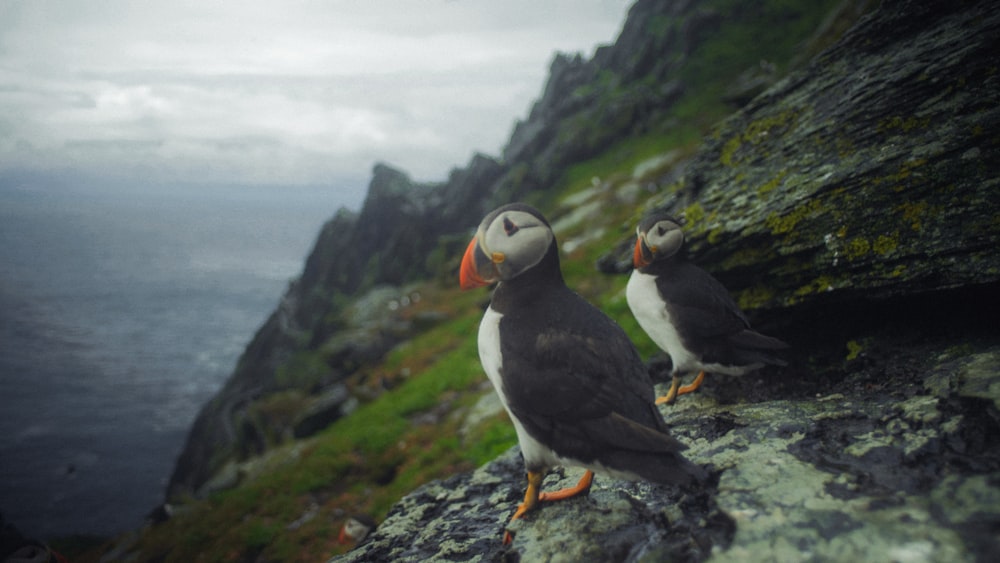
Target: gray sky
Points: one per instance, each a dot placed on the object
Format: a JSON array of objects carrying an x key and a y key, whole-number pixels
[{"x": 284, "y": 93}]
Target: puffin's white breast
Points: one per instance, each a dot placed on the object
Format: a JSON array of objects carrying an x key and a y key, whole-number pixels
[
  {"x": 534, "y": 452},
  {"x": 650, "y": 311}
]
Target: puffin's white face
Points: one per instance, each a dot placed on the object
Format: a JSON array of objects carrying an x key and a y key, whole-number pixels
[
  {"x": 354, "y": 531},
  {"x": 661, "y": 239},
  {"x": 508, "y": 242}
]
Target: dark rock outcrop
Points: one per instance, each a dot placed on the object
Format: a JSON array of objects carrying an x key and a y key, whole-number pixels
[
  {"x": 906, "y": 474},
  {"x": 873, "y": 173}
]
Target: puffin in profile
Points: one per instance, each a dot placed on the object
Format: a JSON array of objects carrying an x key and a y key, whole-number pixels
[
  {"x": 573, "y": 384},
  {"x": 688, "y": 313}
]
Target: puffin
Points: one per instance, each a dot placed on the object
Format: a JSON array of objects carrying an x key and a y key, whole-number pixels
[
  {"x": 573, "y": 384},
  {"x": 688, "y": 313},
  {"x": 355, "y": 529}
]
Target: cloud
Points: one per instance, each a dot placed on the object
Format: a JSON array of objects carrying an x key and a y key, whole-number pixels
[{"x": 275, "y": 92}]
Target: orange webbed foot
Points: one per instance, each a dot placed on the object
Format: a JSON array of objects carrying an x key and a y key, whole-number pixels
[
  {"x": 676, "y": 389},
  {"x": 533, "y": 495}
]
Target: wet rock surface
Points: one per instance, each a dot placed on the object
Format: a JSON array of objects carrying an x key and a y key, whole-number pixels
[{"x": 910, "y": 473}]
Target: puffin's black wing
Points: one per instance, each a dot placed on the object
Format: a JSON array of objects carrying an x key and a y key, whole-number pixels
[
  {"x": 707, "y": 314},
  {"x": 699, "y": 303}
]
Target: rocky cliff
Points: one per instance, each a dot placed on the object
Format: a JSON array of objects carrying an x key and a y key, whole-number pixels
[
  {"x": 408, "y": 231},
  {"x": 906, "y": 472},
  {"x": 852, "y": 207}
]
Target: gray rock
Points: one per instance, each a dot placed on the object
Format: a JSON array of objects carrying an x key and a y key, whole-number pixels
[{"x": 911, "y": 475}]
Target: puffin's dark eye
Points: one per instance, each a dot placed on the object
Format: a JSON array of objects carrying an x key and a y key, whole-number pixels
[
  {"x": 509, "y": 227},
  {"x": 661, "y": 230}
]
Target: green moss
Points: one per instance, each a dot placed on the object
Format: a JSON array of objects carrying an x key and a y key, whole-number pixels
[
  {"x": 258, "y": 534},
  {"x": 489, "y": 440}
]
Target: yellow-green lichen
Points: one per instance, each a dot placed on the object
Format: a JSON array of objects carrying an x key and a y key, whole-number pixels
[
  {"x": 818, "y": 285},
  {"x": 729, "y": 149},
  {"x": 773, "y": 183},
  {"x": 857, "y": 248},
  {"x": 884, "y": 244},
  {"x": 754, "y": 297},
  {"x": 693, "y": 216},
  {"x": 913, "y": 213},
  {"x": 904, "y": 124},
  {"x": 756, "y": 133},
  {"x": 715, "y": 235},
  {"x": 896, "y": 272},
  {"x": 781, "y": 224},
  {"x": 748, "y": 256},
  {"x": 898, "y": 180},
  {"x": 854, "y": 348}
]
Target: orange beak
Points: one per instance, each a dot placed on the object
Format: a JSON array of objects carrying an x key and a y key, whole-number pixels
[
  {"x": 468, "y": 274},
  {"x": 639, "y": 257},
  {"x": 342, "y": 538}
]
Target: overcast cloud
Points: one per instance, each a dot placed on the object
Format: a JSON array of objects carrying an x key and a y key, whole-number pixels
[{"x": 283, "y": 93}]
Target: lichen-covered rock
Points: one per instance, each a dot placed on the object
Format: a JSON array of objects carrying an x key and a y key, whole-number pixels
[
  {"x": 873, "y": 171},
  {"x": 463, "y": 518},
  {"x": 912, "y": 474}
]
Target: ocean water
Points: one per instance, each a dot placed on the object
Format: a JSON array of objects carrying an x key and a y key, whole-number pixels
[{"x": 120, "y": 315}]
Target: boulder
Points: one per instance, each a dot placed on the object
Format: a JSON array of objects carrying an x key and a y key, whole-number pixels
[
  {"x": 871, "y": 173},
  {"x": 911, "y": 474}
]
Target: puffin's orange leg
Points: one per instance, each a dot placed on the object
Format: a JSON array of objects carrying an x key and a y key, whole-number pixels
[
  {"x": 694, "y": 384},
  {"x": 534, "y": 495},
  {"x": 676, "y": 389},
  {"x": 672, "y": 394},
  {"x": 583, "y": 486},
  {"x": 530, "y": 501}
]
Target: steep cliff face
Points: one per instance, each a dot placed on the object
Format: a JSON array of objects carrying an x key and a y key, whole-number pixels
[
  {"x": 626, "y": 89},
  {"x": 853, "y": 208}
]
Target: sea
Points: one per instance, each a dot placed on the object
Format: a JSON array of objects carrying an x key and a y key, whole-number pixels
[{"x": 121, "y": 314}]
